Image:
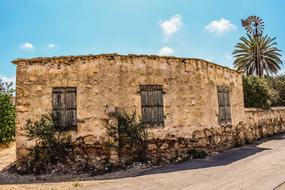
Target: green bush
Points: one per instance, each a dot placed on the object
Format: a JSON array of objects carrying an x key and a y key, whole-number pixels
[
  {"x": 264, "y": 92},
  {"x": 129, "y": 131},
  {"x": 198, "y": 153},
  {"x": 52, "y": 146},
  {"x": 257, "y": 92},
  {"x": 7, "y": 113},
  {"x": 278, "y": 84}
]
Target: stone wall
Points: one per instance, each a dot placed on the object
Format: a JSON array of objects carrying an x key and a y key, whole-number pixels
[
  {"x": 258, "y": 124},
  {"x": 90, "y": 155},
  {"x": 106, "y": 82},
  {"x": 268, "y": 122}
]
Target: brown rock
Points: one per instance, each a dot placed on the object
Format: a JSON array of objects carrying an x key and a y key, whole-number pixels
[
  {"x": 164, "y": 146},
  {"x": 198, "y": 134}
]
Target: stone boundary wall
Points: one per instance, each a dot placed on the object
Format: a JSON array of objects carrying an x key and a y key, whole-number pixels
[
  {"x": 254, "y": 115},
  {"x": 172, "y": 149},
  {"x": 259, "y": 124}
]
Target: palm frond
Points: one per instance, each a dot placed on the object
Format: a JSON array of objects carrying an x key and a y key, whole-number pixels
[{"x": 257, "y": 55}]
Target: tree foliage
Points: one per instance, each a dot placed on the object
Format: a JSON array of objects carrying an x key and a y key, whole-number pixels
[
  {"x": 129, "y": 131},
  {"x": 257, "y": 55},
  {"x": 256, "y": 92},
  {"x": 278, "y": 84},
  {"x": 7, "y": 113},
  {"x": 264, "y": 92},
  {"x": 51, "y": 146}
]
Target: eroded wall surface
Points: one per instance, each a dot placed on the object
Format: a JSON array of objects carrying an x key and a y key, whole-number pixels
[
  {"x": 257, "y": 125},
  {"x": 106, "y": 82}
]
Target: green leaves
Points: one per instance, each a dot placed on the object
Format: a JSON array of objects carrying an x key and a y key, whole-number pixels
[
  {"x": 264, "y": 92},
  {"x": 256, "y": 92},
  {"x": 129, "y": 131},
  {"x": 257, "y": 55},
  {"x": 43, "y": 129},
  {"x": 278, "y": 84},
  {"x": 7, "y": 113},
  {"x": 52, "y": 146}
]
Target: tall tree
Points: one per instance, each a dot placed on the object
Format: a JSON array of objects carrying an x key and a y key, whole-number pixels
[
  {"x": 7, "y": 113},
  {"x": 256, "y": 54}
]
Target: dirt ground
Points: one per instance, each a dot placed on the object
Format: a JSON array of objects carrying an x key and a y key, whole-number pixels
[
  {"x": 257, "y": 166},
  {"x": 7, "y": 155}
]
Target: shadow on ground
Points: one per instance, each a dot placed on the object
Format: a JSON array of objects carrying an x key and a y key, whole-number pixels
[{"x": 9, "y": 176}]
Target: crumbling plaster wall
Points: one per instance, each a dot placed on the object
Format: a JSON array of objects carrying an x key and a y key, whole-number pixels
[{"x": 105, "y": 82}]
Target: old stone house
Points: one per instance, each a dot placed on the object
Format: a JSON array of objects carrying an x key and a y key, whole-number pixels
[{"x": 178, "y": 98}]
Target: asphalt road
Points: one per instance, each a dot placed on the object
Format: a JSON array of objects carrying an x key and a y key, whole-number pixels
[{"x": 258, "y": 166}]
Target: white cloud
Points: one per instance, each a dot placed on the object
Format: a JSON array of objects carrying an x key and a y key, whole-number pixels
[
  {"x": 220, "y": 26},
  {"x": 51, "y": 46},
  {"x": 228, "y": 57},
  {"x": 171, "y": 26},
  {"x": 8, "y": 79},
  {"x": 27, "y": 46},
  {"x": 166, "y": 51}
]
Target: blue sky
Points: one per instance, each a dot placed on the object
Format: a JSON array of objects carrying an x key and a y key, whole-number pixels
[{"x": 206, "y": 29}]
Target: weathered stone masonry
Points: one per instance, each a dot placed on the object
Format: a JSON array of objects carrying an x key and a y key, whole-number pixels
[
  {"x": 106, "y": 82},
  {"x": 258, "y": 124}
]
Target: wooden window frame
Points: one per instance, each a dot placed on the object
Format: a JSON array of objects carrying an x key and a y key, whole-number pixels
[
  {"x": 61, "y": 106},
  {"x": 224, "y": 105},
  {"x": 155, "y": 106}
]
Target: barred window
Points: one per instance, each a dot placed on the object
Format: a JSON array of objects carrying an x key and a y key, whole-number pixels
[
  {"x": 64, "y": 108},
  {"x": 224, "y": 105},
  {"x": 152, "y": 105}
]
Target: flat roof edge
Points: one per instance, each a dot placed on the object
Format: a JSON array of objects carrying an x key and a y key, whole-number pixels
[{"x": 92, "y": 56}]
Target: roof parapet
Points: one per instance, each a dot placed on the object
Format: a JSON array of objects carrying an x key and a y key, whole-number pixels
[{"x": 91, "y": 56}]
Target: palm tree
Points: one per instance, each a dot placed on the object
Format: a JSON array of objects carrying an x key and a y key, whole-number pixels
[{"x": 257, "y": 55}]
